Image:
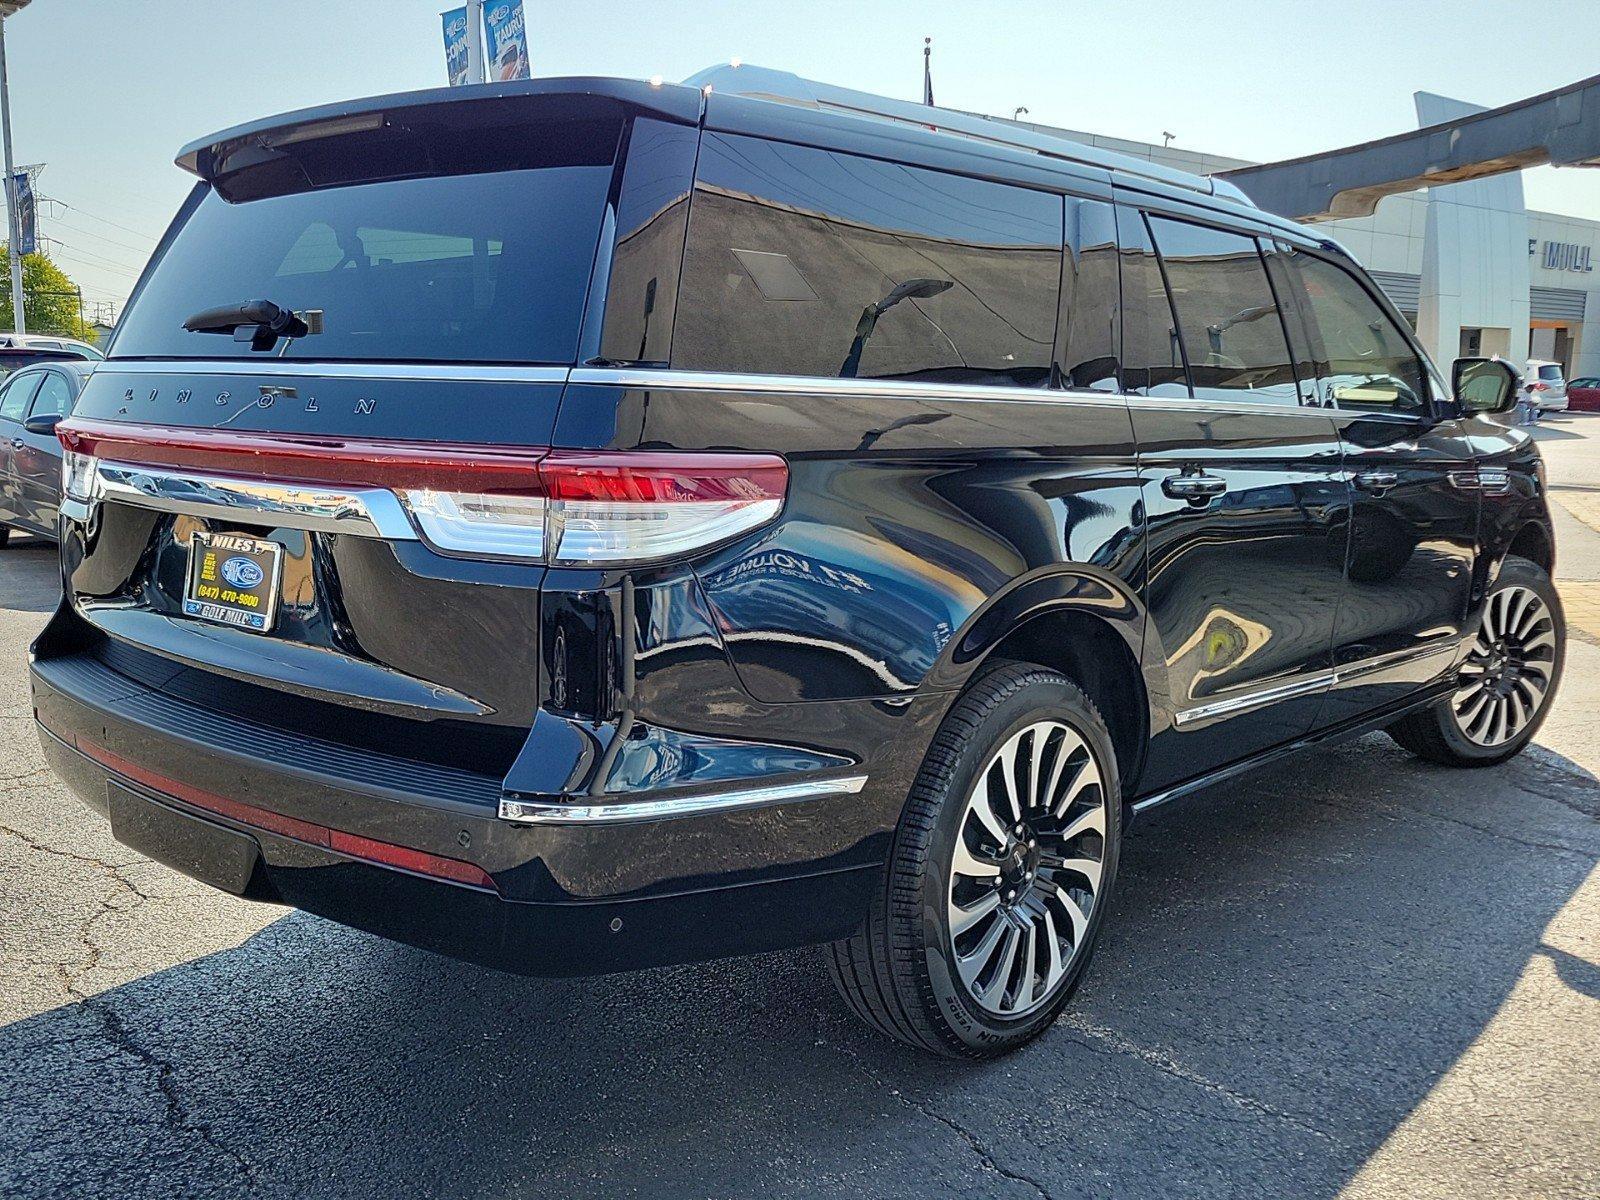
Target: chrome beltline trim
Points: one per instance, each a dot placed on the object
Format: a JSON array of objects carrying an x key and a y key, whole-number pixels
[
  {"x": 618, "y": 811},
  {"x": 419, "y": 372},
  {"x": 820, "y": 385},
  {"x": 1313, "y": 683},
  {"x": 364, "y": 512},
  {"x": 905, "y": 389}
]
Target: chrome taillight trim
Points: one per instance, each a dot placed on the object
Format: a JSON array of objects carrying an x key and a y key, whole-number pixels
[{"x": 361, "y": 512}]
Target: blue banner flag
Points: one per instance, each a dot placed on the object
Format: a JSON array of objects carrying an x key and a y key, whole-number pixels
[
  {"x": 27, "y": 214},
  {"x": 455, "y": 45},
  {"x": 508, "y": 41}
]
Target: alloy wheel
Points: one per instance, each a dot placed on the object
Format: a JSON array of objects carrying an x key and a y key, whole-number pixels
[
  {"x": 1506, "y": 679},
  {"x": 1026, "y": 870}
]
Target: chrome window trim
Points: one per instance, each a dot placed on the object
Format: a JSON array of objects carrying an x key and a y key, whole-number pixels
[
  {"x": 419, "y": 372},
  {"x": 363, "y": 512},
  {"x": 620, "y": 811}
]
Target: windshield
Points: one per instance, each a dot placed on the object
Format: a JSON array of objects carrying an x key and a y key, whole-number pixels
[{"x": 489, "y": 267}]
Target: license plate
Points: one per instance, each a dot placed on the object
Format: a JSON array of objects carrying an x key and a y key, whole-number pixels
[{"x": 233, "y": 580}]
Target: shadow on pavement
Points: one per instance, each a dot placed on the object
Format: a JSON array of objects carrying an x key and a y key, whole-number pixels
[
  {"x": 1297, "y": 960},
  {"x": 29, "y": 579}
]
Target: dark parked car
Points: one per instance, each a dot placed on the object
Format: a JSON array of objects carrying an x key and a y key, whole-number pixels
[
  {"x": 577, "y": 525},
  {"x": 32, "y": 401}
]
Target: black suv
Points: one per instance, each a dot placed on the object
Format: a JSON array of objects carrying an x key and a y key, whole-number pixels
[{"x": 580, "y": 525}]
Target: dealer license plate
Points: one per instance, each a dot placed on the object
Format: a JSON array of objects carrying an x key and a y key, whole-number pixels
[{"x": 233, "y": 580}]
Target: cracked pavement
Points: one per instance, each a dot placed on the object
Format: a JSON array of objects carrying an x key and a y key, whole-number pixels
[{"x": 1353, "y": 974}]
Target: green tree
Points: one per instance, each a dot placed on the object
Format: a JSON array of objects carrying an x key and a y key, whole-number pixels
[{"x": 50, "y": 299}]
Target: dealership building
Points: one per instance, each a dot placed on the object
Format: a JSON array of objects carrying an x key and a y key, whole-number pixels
[{"x": 1472, "y": 268}]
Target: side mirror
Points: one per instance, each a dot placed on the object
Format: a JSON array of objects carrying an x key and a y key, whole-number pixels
[
  {"x": 1485, "y": 385},
  {"x": 44, "y": 424}
]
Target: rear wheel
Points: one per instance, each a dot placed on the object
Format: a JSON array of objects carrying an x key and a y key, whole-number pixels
[
  {"x": 1505, "y": 685},
  {"x": 1000, "y": 874}
]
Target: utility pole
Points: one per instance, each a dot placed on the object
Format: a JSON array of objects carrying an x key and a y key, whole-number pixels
[
  {"x": 10, "y": 8},
  {"x": 477, "y": 68}
]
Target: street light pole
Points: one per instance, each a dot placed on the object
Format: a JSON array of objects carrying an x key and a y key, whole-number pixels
[
  {"x": 13, "y": 218},
  {"x": 477, "y": 69}
]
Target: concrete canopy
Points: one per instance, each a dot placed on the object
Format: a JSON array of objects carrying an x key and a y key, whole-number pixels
[{"x": 1560, "y": 127}]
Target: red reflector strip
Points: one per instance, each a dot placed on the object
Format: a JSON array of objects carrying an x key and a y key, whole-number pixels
[
  {"x": 663, "y": 477},
  {"x": 370, "y": 462},
  {"x": 351, "y": 845}
]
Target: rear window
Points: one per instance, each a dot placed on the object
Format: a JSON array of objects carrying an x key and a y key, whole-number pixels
[
  {"x": 15, "y": 360},
  {"x": 486, "y": 267},
  {"x": 1550, "y": 372}
]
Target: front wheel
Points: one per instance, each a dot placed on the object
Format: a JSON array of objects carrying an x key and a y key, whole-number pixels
[
  {"x": 1505, "y": 686},
  {"x": 1002, "y": 867}
]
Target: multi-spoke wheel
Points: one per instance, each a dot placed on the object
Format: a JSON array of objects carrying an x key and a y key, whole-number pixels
[
  {"x": 1504, "y": 687},
  {"x": 1506, "y": 679},
  {"x": 1001, "y": 871},
  {"x": 1026, "y": 868}
]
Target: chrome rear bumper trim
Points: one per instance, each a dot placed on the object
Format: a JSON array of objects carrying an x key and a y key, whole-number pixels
[
  {"x": 617, "y": 812},
  {"x": 362, "y": 512}
]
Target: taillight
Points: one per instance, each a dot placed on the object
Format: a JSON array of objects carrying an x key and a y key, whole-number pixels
[
  {"x": 608, "y": 509},
  {"x": 568, "y": 508}
]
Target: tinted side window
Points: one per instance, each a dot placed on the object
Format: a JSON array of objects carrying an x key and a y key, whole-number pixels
[
  {"x": 1227, "y": 315},
  {"x": 15, "y": 396},
  {"x": 1363, "y": 360},
  {"x": 54, "y": 398},
  {"x": 1087, "y": 340},
  {"x": 652, "y": 212},
  {"x": 1152, "y": 354},
  {"x": 811, "y": 262}
]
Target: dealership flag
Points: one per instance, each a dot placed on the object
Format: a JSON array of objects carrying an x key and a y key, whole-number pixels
[
  {"x": 455, "y": 45},
  {"x": 508, "y": 41},
  {"x": 27, "y": 214}
]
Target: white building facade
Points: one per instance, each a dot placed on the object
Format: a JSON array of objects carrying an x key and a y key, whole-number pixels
[{"x": 1472, "y": 268}]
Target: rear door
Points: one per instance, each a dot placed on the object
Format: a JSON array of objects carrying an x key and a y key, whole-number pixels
[
  {"x": 1244, "y": 494},
  {"x": 14, "y": 399},
  {"x": 37, "y": 460},
  {"x": 1414, "y": 498}
]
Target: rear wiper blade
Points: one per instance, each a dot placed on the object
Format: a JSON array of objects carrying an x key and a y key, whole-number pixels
[{"x": 259, "y": 322}]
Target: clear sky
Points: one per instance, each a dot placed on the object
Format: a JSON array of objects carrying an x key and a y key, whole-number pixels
[{"x": 106, "y": 91}]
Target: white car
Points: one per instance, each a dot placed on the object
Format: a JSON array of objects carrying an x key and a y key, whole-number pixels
[{"x": 1546, "y": 386}]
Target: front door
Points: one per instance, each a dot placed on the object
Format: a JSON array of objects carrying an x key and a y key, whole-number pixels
[
  {"x": 1245, "y": 497},
  {"x": 1414, "y": 512}
]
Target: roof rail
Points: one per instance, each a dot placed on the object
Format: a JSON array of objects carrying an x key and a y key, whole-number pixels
[{"x": 785, "y": 87}]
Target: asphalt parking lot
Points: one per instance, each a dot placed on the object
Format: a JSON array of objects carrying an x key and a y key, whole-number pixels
[{"x": 1353, "y": 974}]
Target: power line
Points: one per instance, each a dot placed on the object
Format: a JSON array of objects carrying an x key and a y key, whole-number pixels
[
  {"x": 102, "y": 237},
  {"x": 88, "y": 259},
  {"x": 105, "y": 220}
]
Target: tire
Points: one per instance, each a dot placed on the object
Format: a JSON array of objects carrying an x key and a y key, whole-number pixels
[
  {"x": 904, "y": 972},
  {"x": 5, "y": 535},
  {"x": 1460, "y": 730}
]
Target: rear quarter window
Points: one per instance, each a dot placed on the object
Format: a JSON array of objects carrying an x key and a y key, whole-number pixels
[{"x": 803, "y": 261}]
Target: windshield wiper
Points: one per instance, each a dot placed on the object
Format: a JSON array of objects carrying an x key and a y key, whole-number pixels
[{"x": 259, "y": 322}]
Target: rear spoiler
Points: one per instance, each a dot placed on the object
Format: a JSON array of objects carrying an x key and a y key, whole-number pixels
[{"x": 234, "y": 148}]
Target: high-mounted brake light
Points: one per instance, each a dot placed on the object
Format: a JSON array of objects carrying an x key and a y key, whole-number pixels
[{"x": 568, "y": 508}]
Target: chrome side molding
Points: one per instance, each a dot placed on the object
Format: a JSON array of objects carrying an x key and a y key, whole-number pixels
[{"x": 618, "y": 812}]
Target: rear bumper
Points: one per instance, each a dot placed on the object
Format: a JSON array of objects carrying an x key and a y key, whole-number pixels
[{"x": 555, "y": 899}]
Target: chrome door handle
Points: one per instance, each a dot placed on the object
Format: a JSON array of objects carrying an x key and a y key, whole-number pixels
[
  {"x": 1377, "y": 481},
  {"x": 1195, "y": 487},
  {"x": 17, "y": 443}
]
